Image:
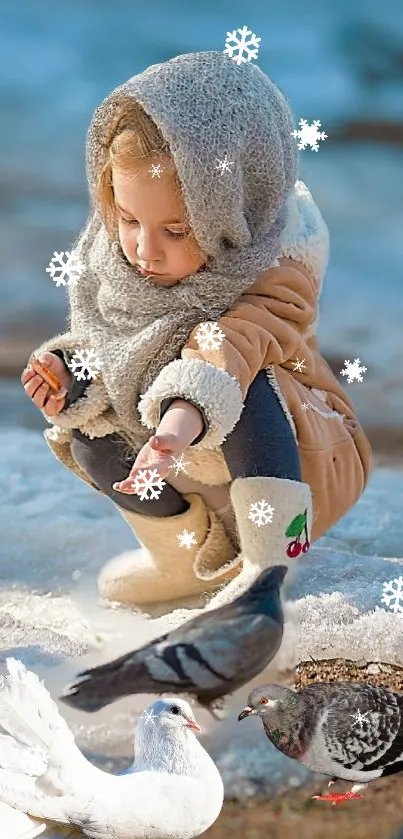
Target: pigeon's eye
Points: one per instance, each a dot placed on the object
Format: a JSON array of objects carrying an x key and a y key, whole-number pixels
[
  {"x": 175, "y": 709},
  {"x": 263, "y": 701}
]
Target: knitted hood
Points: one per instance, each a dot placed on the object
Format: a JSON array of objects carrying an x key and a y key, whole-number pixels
[{"x": 208, "y": 108}]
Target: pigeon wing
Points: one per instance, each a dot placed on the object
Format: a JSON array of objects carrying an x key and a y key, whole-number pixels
[
  {"x": 362, "y": 727},
  {"x": 215, "y": 658}
]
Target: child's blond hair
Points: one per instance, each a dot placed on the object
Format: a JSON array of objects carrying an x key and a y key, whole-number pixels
[{"x": 133, "y": 138}]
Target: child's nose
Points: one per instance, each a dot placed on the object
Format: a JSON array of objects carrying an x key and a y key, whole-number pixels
[{"x": 147, "y": 246}]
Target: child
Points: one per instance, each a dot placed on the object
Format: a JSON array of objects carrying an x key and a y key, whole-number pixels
[{"x": 197, "y": 218}]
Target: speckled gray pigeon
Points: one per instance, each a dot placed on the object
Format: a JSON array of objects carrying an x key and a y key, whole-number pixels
[
  {"x": 210, "y": 656},
  {"x": 347, "y": 730}
]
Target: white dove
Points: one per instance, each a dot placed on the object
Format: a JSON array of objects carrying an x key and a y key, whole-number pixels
[{"x": 173, "y": 789}]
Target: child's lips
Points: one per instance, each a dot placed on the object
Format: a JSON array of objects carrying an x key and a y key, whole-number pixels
[{"x": 148, "y": 273}]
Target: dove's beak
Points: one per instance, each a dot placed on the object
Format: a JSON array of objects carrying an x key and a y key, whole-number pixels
[
  {"x": 193, "y": 725},
  {"x": 245, "y": 713}
]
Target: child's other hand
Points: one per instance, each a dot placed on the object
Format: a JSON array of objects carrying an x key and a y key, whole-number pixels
[
  {"x": 156, "y": 454},
  {"x": 180, "y": 425},
  {"x": 40, "y": 392}
]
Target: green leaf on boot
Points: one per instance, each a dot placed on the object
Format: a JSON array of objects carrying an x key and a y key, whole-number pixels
[{"x": 297, "y": 525}]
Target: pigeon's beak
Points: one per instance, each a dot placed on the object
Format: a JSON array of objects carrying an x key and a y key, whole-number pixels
[
  {"x": 193, "y": 725},
  {"x": 245, "y": 713}
]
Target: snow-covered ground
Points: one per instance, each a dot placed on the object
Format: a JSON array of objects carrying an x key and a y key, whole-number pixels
[{"x": 55, "y": 535}]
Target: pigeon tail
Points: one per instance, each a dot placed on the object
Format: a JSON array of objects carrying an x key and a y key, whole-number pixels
[
  {"x": 106, "y": 683},
  {"x": 39, "y": 761}
]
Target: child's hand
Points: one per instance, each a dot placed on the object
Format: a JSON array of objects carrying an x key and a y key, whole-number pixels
[
  {"x": 40, "y": 391},
  {"x": 155, "y": 454},
  {"x": 178, "y": 428}
]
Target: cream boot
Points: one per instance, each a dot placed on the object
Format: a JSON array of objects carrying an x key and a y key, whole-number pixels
[
  {"x": 264, "y": 542},
  {"x": 163, "y": 570}
]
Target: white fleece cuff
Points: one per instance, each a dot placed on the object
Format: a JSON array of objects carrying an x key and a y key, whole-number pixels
[
  {"x": 92, "y": 413},
  {"x": 305, "y": 237},
  {"x": 214, "y": 390}
]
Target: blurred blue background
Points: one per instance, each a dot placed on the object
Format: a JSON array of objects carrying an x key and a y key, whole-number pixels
[{"x": 339, "y": 63}]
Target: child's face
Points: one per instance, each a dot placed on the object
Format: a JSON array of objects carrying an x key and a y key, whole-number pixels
[{"x": 153, "y": 232}]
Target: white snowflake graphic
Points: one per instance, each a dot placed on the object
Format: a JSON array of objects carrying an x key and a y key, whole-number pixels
[
  {"x": 224, "y": 165},
  {"x": 186, "y": 539},
  {"x": 179, "y": 464},
  {"x": 209, "y": 336},
  {"x": 393, "y": 594},
  {"x": 84, "y": 365},
  {"x": 261, "y": 512},
  {"x": 309, "y": 135},
  {"x": 305, "y": 406},
  {"x": 149, "y": 716},
  {"x": 242, "y": 44},
  {"x": 148, "y": 481},
  {"x": 64, "y": 265},
  {"x": 353, "y": 371},
  {"x": 298, "y": 365},
  {"x": 156, "y": 169},
  {"x": 359, "y": 718}
]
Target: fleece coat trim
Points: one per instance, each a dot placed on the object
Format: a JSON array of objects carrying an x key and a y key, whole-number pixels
[
  {"x": 92, "y": 413},
  {"x": 218, "y": 394}
]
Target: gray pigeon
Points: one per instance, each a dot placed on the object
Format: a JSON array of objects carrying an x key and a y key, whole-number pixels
[
  {"x": 209, "y": 656},
  {"x": 347, "y": 730}
]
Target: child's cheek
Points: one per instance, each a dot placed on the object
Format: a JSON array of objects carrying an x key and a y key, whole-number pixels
[
  {"x": 194, "y": 256},
  {"x": 128, "y": 244}
]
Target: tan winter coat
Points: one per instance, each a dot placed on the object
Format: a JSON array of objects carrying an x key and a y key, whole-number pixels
[{"x": 272, "y": 328}]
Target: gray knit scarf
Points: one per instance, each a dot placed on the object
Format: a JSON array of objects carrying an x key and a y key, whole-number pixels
[{"x": 206, "y": 107}]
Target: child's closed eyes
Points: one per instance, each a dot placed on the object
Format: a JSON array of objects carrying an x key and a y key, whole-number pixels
[{"x": 178, "y": 234}]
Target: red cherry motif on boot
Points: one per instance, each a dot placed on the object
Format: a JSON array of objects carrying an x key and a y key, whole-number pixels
[
  {"x": 295, "y": 529},
  {"x": 294, "y": 549}
]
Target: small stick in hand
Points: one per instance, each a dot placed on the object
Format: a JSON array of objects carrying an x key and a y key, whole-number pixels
[{"x": 46, "y": 374}]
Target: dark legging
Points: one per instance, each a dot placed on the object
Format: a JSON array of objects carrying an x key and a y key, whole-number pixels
[{"x": 261, "y": 444}]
